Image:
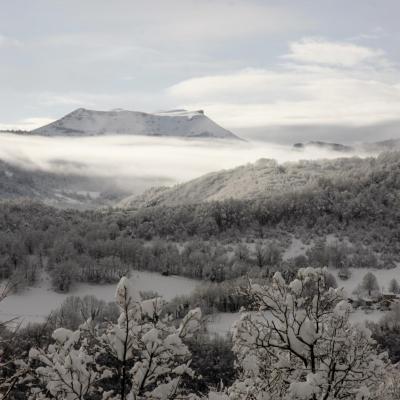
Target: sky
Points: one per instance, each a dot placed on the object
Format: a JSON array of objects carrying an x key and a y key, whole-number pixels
[{"x": 265, "y": 69}]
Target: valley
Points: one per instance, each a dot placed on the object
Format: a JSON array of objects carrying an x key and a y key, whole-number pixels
[{"x": 199, "y": 200}]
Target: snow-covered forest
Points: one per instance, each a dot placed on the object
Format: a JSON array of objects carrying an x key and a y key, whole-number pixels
[
  {"x": 305, "y": 348},
  {"x": 291, "y": 295}
]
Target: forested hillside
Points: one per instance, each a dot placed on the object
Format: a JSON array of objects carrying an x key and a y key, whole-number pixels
[
  {"x": 213, "y": 241},
  {"x": 265, "y": 178}
]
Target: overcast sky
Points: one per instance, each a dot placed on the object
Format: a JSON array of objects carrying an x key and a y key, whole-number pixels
[{"x": 252, "y": 65}]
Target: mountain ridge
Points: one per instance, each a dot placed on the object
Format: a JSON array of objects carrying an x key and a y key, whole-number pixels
[{"x": 174, "y": 123}]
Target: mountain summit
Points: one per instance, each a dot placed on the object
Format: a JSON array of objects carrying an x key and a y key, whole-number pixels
[{"x": 175, "y": 123}]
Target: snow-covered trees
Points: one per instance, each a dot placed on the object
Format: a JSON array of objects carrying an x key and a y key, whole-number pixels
[
  {"x": 390, "y": 387},
  {"x": 394, "y": 286},
  {"x": 12, "y": 367},
  {"x": 142, "y": 355},
  {"x": 387, "y": 332},
  {"x": 300, "y": 345},
  {"x": 149, "y": 353},
  {"x": 370, "y": 283},
  {"x": 66, "y": 369},
  {"x": 368, "y": 287}
]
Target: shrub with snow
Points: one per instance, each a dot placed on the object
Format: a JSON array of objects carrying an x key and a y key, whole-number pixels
[
  {"x": 300, "y": 345},
  {"x": 143, "y": 354}
]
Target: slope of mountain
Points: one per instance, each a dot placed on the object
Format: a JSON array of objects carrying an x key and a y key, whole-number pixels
[
  {"x": 178, "y": 123},
  {"x": 66, "y": 190},
  {"x": 261, "y": 179},
  {"x": 384, "y": 145}
]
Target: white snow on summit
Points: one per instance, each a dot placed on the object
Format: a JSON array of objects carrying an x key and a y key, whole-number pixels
[{"x": 177, "y": 123}]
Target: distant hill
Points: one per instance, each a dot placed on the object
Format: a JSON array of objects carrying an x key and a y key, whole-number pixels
[
  {"x": 17, "y": 131},
  {"x": 324, "y": 145},
  {"x": 259, "y": 180},
  {"x": 371, "y": 147},
  {"x": 383, "y": 145},
  {"x": 175, "y": 123},
  {"x": 65, "y": 190}
]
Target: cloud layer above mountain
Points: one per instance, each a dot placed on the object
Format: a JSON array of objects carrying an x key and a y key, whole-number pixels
[
  {"x": 317, "y": 82},
  {"x": 250, "y": 64}
]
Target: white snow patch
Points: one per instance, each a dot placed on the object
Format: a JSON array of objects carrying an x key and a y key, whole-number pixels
[
  {"x": 384, "y": 276},
  {"x": 296, "y": 248},
  {"x": 36, "y": 303}
]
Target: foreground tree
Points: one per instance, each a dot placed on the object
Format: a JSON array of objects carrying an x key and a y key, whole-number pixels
[
  {"x": 142, "y": 356},
  {"x": 300, "y": 345},
  {"x": 67, "y": 369}
]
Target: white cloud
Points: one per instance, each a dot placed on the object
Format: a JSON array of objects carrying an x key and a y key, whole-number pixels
[
  {"x": 320, "y": 51},
  {"x": 313, "y": 89},
  {"x": 6, "y": 41},
  {"x": 151, "y": 25},
  {"x": 26, "y": 124},
  {"x": 362, "y": 90},
  {"x": 225, "y": 19},
  {"x": 158, "y": 21}
]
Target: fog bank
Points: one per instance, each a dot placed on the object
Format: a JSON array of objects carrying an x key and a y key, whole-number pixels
[{"x": 132, "y": 157}]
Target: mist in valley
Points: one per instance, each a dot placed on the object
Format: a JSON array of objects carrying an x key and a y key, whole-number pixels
[{"x": 138, "y": 162}]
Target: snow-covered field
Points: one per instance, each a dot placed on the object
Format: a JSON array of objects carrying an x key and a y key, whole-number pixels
[
  {"x": 384, "y": 276},
  {"x": 296, "y": 248},
  {"x": 34, "y": 304}
]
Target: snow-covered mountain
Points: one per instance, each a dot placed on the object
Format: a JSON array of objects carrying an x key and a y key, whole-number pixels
[{"x": 177, "y": 123}]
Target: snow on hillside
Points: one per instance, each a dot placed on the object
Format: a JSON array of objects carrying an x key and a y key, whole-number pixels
[
  {"x": 260, "y": 179},
  {"x": 178, "y": 123}
]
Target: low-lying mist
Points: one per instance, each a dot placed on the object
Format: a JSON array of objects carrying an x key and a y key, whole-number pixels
[{"x": 128, "y": 158}]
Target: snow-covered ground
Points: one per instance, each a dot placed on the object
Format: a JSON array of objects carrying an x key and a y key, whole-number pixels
[
  {"x": 296, "y": 248},
  {"x": 384, "y": 276},
  {"x": 34, "y": 304},
  {"x": 221, "y": 323}
]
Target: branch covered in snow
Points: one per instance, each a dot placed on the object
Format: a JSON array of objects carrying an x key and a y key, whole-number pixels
[
  {"x": 300, "y": 344},
  {"x": 143, "y": 354}
]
